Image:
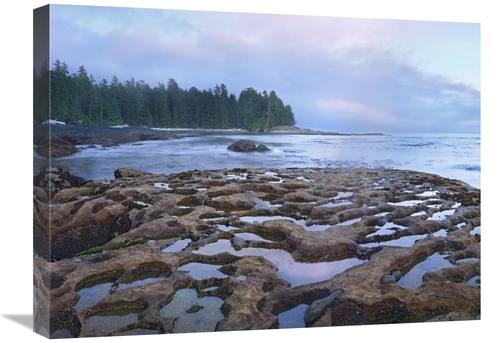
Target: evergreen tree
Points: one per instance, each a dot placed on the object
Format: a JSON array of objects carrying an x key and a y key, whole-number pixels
[
  {"x": 80, "y": 97},
  {"x": 41, "y": 94}
]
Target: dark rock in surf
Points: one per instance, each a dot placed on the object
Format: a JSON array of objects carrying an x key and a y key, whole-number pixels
[
  {"x": 244, "y": 145},
  {"x": 55, "y": 147},
  {"x": 262, "y": 147}
]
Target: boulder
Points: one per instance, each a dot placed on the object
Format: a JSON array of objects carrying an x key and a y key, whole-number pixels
[
  {"x": 126, "y": 172},
  {"x": 262, "y": 147},
  {"x": 244, "y": 145},
  {"x": 53, "y": 179}
]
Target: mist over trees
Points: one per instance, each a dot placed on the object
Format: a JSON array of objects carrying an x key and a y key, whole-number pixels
[{"x": 79, "y": 97}]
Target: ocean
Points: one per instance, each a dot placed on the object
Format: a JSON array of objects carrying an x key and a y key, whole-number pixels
[{"x": 455, "y": 156}]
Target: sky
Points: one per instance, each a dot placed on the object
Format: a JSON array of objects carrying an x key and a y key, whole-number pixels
[{"x": 340, "y": 74}]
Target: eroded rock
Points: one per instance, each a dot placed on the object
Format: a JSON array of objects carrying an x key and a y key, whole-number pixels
[{"x": 326, "y": 238}]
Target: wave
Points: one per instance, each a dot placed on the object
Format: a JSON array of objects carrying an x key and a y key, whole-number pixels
[{"x": 468, "y": 167}]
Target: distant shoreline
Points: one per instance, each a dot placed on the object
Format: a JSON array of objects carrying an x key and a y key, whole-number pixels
[
  {"x": 296, "y": 130},
  {"x": 275, "y": 130},
  {"x": 57, "y": 140}
]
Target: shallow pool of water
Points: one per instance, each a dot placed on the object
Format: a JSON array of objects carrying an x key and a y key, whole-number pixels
[
  {"x": 336, "y": 204},
  {"x": 297, "y": 273},
  {"x": 317, "y": 227},
  {"x": 138, "y": 283},
  {"x": 474, "y": 281},
  {"x": 413, "y": 278},
  {"x": 381, "y": 214},
  {"x": 247, "y": 236},
  {"x": 342, "y": 195},
  {"x": 293, "y": 318},
  {"x": 162, "y": 185},
  {"x": 227, "y": 227},
  {"x": 204, "y": 319},
  {"x": 386, "y": 229},
  {"x": 441, "y": 215},
  {"x": 242, "y": 176},
  {"x": 111, "y": 322},
  {"x": 440, "y": 233},
  {"x": 406, "y": 241},
  {"x": 301, "y": 222},
  {"x": 409, "y": 203},
  {"x": 476, "y": 230},
  {"x": 349, "y": 222},
  {"x": 200, "y": 271},
  {"x": 92, "y": 295},
  {"x": 261, "y": 219},
  {"x": 177, "y": 245},
  {"x": 427, "y": 194}
]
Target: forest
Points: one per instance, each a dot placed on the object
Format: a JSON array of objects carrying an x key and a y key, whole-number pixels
[{"x": 78, "y": 97}]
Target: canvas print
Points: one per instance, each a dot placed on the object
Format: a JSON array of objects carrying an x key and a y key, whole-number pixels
[{"x": 199, "y": 171}]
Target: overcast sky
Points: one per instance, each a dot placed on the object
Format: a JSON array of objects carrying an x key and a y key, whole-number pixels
[{"x": 337, "y": 74}]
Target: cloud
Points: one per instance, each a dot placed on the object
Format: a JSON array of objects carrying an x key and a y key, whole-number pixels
[
  {"x": 389, "y": 73},
  {"x": 352, "y": 109},
  {"x": 471, "y": 123}
]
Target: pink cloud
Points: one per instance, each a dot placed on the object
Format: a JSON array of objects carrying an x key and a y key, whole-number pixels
[
  {"x": 362, "y": 111},
  {"x": 476, "y": 123}
]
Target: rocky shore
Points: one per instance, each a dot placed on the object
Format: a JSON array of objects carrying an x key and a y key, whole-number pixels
[
  {"x": 55, "y": 140},
  {"x": 238, "y": 249},
  {"x": 62, "y": 140}
]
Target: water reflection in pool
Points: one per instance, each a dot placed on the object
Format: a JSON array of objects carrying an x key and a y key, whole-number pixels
[
  {"x": 293, "y": 318},
  {"x": 193, "y": 314},
  {"x": 250, "y": 237},
  {"x": 297, "y": 273},
  {"x": 177, "y": 246},
  {"x": 434, "y": 262},
  {"x": 92, "y": 295},
  {"x": 406, "y": 241},
  {"x": 111, "y": 322},
  {"x": 200, "y": 271},
  {"x": 386, "y": 229},
  {"x": 476, "y": 230},
  {"x": 301, "y": 222}
]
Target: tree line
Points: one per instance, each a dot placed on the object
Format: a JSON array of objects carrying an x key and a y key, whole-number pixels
[{"x": 78, "y": 97}]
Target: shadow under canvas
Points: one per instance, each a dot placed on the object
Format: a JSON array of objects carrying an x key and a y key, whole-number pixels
[{"x": 25, "y": 320}]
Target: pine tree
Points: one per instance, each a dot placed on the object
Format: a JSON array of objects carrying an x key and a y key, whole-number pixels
[{"x": 78, "y": 96}]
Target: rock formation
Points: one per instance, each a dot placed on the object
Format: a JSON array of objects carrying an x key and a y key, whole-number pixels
[
  {"x": 234, "y": 249},
  {"x": 62, "y": 140},
  {"x": 244, "y": 145}
]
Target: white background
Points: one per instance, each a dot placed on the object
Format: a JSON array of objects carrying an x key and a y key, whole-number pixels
[{"x": 16, "y": 172}]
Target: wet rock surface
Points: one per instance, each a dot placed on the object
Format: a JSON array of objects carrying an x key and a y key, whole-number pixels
[
  {"x": 234, "y": 249},
  {"x": 244, "y": 145},
  {"x": 62, "y": 140}
]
